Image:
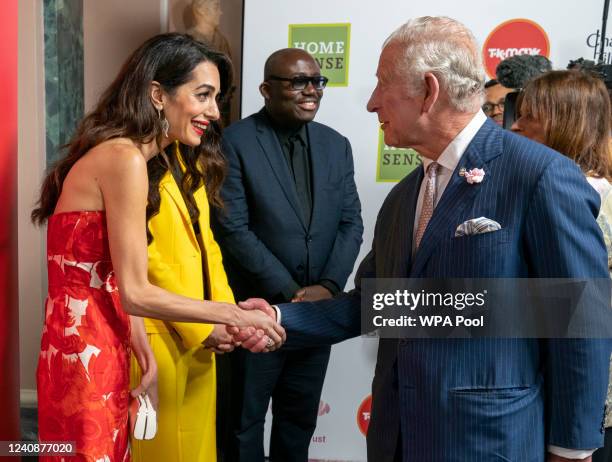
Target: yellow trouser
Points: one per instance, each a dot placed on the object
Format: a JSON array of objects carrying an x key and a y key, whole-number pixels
[{"x": 187, "y": 400}]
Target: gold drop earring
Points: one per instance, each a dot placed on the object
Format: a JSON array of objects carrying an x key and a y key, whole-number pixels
[{"x": 165, "y": 125}]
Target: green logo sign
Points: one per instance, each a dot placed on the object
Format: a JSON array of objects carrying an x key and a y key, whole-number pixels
[
  {"x": 328, "y": 44},
  {"x": 394, "y": 163}
]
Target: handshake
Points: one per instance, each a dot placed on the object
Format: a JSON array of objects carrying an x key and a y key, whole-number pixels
[{"x": 255, "y": 329}]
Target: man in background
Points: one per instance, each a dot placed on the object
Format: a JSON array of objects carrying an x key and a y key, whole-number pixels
[
  {"x": 290, "y": 231},
  {"x": 495, "y": 96}
]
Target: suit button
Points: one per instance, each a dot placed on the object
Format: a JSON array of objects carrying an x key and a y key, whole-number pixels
[
  {"x": 300, "y": 267},
  {"x": 308, "y": 239}
]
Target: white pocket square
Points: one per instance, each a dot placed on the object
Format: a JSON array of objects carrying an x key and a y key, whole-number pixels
[{"x": 474, "y": 226}]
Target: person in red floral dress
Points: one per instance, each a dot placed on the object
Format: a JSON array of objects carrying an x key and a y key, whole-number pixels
[{"x": 97, "y": 203}]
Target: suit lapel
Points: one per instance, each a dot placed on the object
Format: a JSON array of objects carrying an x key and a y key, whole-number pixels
[
  {"x": 319, "y": 161},
  {"x": 458, "y": 194},
  {"x": 174, "y": 192},
  {"x": 274, "y": 154}
]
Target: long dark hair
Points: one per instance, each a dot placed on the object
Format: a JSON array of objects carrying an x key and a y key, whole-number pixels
[{"x": 125, "y": 110}]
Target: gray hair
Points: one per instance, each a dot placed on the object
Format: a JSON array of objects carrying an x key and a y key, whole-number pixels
[{"x": 448, "y": 50}]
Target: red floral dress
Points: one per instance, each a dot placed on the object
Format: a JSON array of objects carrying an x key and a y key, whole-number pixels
[{"x": 83, "y": 368}]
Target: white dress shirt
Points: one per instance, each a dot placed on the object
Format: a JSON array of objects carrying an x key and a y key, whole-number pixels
[{"x": 448, "y": 161}]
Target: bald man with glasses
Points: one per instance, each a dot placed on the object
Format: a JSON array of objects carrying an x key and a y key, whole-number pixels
[{"x": 290, "y": 231}]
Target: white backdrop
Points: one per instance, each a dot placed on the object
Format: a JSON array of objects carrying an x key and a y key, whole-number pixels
[{"x": 567, "y": 23}]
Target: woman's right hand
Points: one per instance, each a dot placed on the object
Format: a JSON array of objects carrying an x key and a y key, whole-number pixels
[{"x": 262, "y": 324}]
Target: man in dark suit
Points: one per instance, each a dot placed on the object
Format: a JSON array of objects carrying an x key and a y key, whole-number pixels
[
  {"x": 290, "y": 231},
  {"x": 480, "y": 399}
]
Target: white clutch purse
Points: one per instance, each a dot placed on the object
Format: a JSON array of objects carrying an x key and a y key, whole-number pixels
[{"x": 143, "y": 418}]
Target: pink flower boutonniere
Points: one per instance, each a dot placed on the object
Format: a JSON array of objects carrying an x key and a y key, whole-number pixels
[{"x": 472, "y": 176}]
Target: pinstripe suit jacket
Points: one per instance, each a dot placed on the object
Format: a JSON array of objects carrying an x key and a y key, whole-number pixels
[{"x": 481, "y": 399}]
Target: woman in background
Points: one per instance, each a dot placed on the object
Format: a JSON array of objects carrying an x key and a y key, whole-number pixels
[
  {"x": 569, "y": 111},
  {"x": 95, "y": 202}
]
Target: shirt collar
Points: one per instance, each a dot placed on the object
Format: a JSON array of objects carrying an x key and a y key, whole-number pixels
[
  {"x": 285, "y": 133},
  {"x": 450, "y": 157}
]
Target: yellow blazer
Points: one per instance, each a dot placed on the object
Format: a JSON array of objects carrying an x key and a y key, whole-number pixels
[
  {"x": 175, "y": 260},
  {"x": 187, "y": 378}
]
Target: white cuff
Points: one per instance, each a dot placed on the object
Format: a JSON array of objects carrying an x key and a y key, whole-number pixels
[
  {"x": 278, "y": 314},
  {"x": 570, "y": 453}
]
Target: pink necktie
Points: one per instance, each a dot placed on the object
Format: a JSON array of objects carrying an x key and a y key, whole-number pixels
[{"x": 429, "y": 201}]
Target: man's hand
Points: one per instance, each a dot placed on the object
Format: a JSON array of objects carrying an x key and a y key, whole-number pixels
[
  {"x": 219, "y": 341},
  {"x": 311, "y": 294},
  {"x": 555, "y": 458},
  {"x": 253, "y": 339}
]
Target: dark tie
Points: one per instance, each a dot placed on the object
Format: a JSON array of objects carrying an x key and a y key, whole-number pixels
[{"x": 299, "y": 169}]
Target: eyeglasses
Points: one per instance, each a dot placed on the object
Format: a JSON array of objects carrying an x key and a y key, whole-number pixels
[
  {"x": 488, "y": 108},
  {"x": 301, "y": 82}
]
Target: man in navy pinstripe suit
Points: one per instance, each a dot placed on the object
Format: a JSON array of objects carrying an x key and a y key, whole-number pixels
[{"x": 470, "y": 400}]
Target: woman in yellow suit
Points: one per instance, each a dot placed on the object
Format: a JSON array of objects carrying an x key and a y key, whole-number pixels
[{"x": 184, "y": 258}]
